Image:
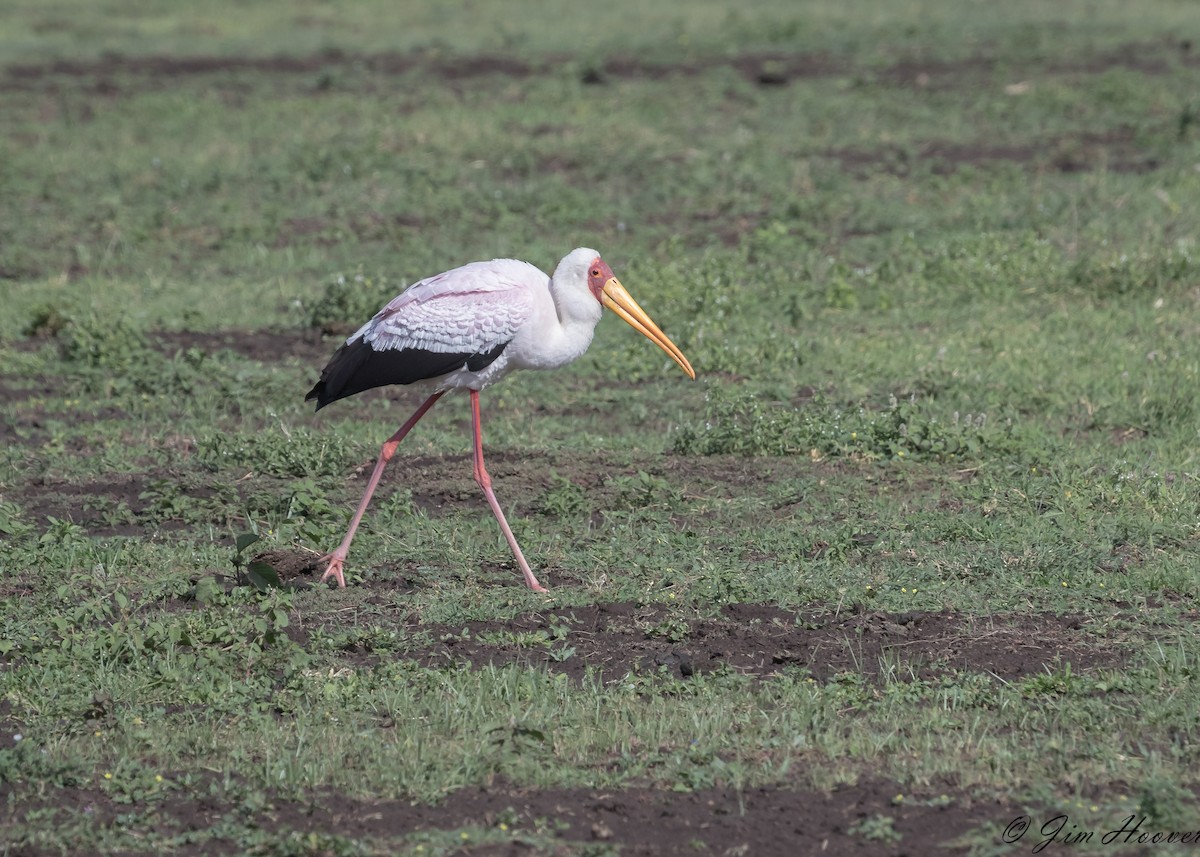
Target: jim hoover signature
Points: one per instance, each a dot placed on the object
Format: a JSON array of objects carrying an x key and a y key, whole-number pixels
[{"x": 1060, "y": 829}]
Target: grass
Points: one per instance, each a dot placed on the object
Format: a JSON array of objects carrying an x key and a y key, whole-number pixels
[{"x": 935, "y": 266}]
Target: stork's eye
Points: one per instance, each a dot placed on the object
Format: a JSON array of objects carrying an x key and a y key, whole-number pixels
[{"x": 595, "y": 272}]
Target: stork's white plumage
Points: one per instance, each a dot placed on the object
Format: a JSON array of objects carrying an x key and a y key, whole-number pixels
[{"x": 467, "y": 329}]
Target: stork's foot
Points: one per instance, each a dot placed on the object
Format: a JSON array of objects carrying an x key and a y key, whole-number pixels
[
  {"x": 530, "y": 580},
  {"x": 337, "y": 562}
]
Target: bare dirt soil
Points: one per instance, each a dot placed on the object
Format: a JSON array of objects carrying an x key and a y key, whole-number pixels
[
  {"x": 606, "y": 641},
  {"x": 113, "y": 73},
  {"x": 1117, "y": 151},
  {"x": 639, "y": 821}
]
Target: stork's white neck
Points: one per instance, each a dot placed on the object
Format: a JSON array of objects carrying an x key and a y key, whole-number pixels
[{"x": 566, "y": 322}]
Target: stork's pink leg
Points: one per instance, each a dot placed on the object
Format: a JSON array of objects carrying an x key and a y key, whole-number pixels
[
  {"x": 337, "y": 559},
  {"x": 485, "y": 482}
]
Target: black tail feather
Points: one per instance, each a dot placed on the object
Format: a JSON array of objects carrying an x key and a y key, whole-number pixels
[{"x": 356, "y": 366}]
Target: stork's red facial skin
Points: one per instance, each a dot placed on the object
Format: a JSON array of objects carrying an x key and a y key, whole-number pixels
[{"x": 598, "y": 274}]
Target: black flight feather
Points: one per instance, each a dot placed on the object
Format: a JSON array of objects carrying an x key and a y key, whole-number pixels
[{"x": 356, "y": 366}]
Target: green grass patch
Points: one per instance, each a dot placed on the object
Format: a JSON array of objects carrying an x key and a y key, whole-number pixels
[{"x": 934, "y": 263}]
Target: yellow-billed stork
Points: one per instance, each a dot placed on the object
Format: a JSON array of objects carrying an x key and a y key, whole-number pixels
[{"x": 467, "y": 329}]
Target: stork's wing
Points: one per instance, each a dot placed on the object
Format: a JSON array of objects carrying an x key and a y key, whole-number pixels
[
  {"x": 462, "y": 318},
  {"x": 444, "y": 315}
]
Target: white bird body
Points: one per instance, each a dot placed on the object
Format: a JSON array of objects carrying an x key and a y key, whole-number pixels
[
  {"x": 470, "y": 326},
  {"x": 467, "y": 329},
  {"x": 469, "y": 310}
]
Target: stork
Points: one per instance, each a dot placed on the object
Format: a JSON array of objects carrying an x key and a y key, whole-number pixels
[{"x": 466, "y": 329}]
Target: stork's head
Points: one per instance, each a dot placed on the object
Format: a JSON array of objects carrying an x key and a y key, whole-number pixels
[{"x": 585, "y": 265}]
